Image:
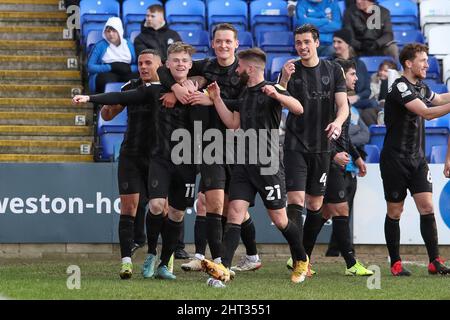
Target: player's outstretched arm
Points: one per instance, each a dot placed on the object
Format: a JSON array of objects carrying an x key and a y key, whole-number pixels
[
  {"x": 230, "y": 119},
  {"x": 419, "y": 108},
  {"x": 288, "y": 102}
]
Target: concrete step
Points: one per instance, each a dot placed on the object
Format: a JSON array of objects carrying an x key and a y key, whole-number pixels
[
  {"x": 45, "y": 118},
  {"x": 42, "y": 105},
  {"x": 29, "y": 5},
  {"x": 45, "y": 158},
  {"x": 32, "y": 32},
  {"x": 45, "y": 147},
  {"x": 38, "y": 91},
  {"x": 41, "y": 75},
  {"x": 37, "y": 51},
  {"x": 33, "y": 17},
  {"x": 17, "y": 62},
  {"x": 37, "y": 45},
  {"x": 9, "y": 130}
]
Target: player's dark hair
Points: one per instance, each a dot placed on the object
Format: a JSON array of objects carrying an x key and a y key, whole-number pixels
[
  {"x": 308, "y": 28},
  {"x": 346, "y": 64},
  {"x": 225, "y": 26},
  {"x": 180, "y": 47},
  {"x": 156, "y": 8},
  {"x": 150, "y": 51},
  {"x": 253, "y": 54},
  {"x": 410, "y": 50}
]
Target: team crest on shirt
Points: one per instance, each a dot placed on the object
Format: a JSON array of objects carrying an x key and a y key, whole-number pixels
[
  {"x": 155, "y": 183},
  {"x": 402, "y": 87},
  {"x": 234, "y": 80},
  {"x": 260, "y": 99},
  {"x": 125, "y": 185},
  {"x": 325, "y": 80},
  {"x": 169, "y": 41},
  {"x": 423, "y": 91}
]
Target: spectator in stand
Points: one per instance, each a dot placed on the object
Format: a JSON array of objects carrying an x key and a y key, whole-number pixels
[
  {"x": 379, "y": 81},
  {"x": 326, "y": 16},
  {"x": 371, "y": 34},
  {"x": 359, "y": 98},
  {"x": 113, "y": 59},
  {"x": 155, "y": 34}
]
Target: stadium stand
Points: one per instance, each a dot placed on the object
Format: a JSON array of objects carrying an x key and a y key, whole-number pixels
[
  {"x": 186, "y": 14},
  {"x": 110, "y": 133},
  {"x": 404, "y": 37},
  {"x": 377, "y": 133},
  {"x": 269, "y": 15},
  {"x": 373, "y": 62},
  {"x": 39, "y": 73},
  {"x": 231, "y": 11},
  {"x": 94, "y": 14},
  {"x": 439, "y": 47},
  {"x": 404, "y": 13},
  {"x": 432, "y": 13},
  {"x": 245, "y": 40},
  {"x": 133, "y": 12}
]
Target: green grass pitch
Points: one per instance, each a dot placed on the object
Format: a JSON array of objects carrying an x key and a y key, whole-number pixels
[{"x": 33, "y": 279}]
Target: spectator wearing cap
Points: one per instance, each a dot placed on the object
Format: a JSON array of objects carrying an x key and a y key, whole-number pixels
[
  {"x": 360, "y": 98},
  {"x": 371, "y": 32}
]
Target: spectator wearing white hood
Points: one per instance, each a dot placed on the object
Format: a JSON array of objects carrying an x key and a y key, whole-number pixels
[{"x": 113, "y": 59}]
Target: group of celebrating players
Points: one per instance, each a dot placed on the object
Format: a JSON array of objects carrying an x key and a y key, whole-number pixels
[{"x": 229, "y": 92}]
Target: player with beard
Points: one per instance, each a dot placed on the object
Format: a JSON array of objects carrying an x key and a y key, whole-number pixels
[
  {"x": 257, "y": 112},
  {"x": 402, "y": 162}
]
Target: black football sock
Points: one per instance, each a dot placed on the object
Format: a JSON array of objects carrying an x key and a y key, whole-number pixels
[
  {"x": 292, "y": 236},
  {"x": 313, "y": 224},
  {"x": 230, "y": 242},
  {"x": 295, "y": 214},
  {"x": 392, "y": 234},
  {"x": 248, "y": 236},
  {"x": 200, "y": 235},
  {"x": 126, "y": 234},
  {"x": 341, "y": 230},
  {"x": 170, "y": 235},
  {"x": 139, "y": 224},
  {"x": 224, "y": 223},
  {"x": 214, "y": 234},
  {"x": 154, "y": 224},
  {"x": 429, "y": 233}
]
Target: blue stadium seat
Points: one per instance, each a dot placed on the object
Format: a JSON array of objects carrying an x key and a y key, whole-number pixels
[
  {"x": 131, "y": 27},
  {"x": 231, "y": 11},
  {"x": 186, "y": 12},
  {"x": 377, "y": 134},
  {"x": 342, "y": 7},
  {"x": 373, "y": 62},
  {"x": 269, "y": 15},
  {"x": 111, "y": 133},
  {"x": 438, "y": 154},
  {"x": 245, "y": 40},
  {"x": 403, "y": 12},
  {"x": 88, "y": 27},
  {"x": 133, "y": 35},
  {"x": 92, "y": 38},
  {"x": 434, "y": 71},
  {"x": 97, "y": 12},
  {"x": 373, "y": 153},
  {"x": 275, "y": 44},
  {"x": 134, "y": 11},
  {"x": 438, "y": 87},
  {"x": 404, "y": 37},
  {"x": 435, "y": 136},
  {"x": 443, "y": 121},
  {"x": 199, "y": 39},
  {"x": 277, "y": 65}
]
